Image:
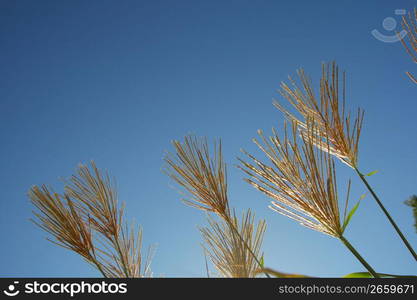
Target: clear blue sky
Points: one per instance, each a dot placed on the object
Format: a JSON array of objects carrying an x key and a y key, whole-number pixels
[{"x": 116, "y": 81}]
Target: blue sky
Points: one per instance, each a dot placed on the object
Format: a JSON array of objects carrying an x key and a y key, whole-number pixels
[{"x": 116, "y": 81}]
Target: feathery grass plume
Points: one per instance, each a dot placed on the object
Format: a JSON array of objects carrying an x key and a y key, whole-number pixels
[
  {"x": 334, "y": 131},
  {"x": 61, "y": 218},
  {"x": 331, "y": 121},
  {"x": 301, "y": 181},
  {"x": 202, "y": 176},
  {"x": 97, "y": 197},
  {"x": 409, "y": 24},
  {"x": 91, "y": 223},
  {"x": 131, "y": 247},
  {"x": 227, "y": 250}
]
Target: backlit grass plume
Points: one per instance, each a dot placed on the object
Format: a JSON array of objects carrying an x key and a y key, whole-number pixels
[
  {"x": 301, "y": 180},
  {"x": 204, "y": 176},
  {"x": 87, "y": 219},
  {"x": 410, "y": 40},
  {"x": 228, "y": 251},
  {"x": 332, "y": 123},
  {"x": 58, "y": 216},
  {"x": 330, "y": 127}
]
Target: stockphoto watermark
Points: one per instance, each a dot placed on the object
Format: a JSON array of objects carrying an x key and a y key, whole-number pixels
[
  {"x": 65, "y": 288},
  {"x": 390, "y": 25}
]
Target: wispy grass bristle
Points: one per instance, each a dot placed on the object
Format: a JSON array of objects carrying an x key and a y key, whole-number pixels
[
  {"x": 204, "y": 176},
  {"x": 300, "y": 178},
  {"x": 88, "y": 220},
  {"x": 227, "y": 249},
  {"x": 201, "y": 174},
  {"x": 332, "y": 123}
]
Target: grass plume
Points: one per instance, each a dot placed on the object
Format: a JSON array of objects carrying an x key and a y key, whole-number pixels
[
  {"x": 332, "y": 123},
  {"x": 201, "y": 175},
  {"x": 88, "y": 220},
  {"x": 204, "y": 176},
  {"x": 227, "y": 249},
  {"x": 330, "y": 127},
  {"x": 300, "y": 179}
]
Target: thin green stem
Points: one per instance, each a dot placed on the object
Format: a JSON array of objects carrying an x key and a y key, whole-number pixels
[
  {"x": 359, "y": 257},
  {"x": 405, "y": 241}
]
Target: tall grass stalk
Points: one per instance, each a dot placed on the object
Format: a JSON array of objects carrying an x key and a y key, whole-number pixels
[
  {"x": 88, "y": 220},
  {"x": 358, "y": 256},
  {"x": 403, "y": 238},
  {"x": 204, "y": 177},
  {"x": 335, "y": 131},
  {"x": 301, "y": 180}
]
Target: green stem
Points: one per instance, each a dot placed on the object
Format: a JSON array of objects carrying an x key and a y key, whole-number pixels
[
  {"x": 407, "y": 244},
  {"x": 359, "y": 257}
]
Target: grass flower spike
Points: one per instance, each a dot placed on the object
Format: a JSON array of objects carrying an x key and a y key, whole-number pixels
[
  {"x": 199, "y": 174},
  {"x": 205, "y": 179},
  {"x": 90, "y": 222},
  {"x": 59, "y": 216},
  {"x": 332, "y": 123},
  {"x": 301, "y": 180},
  {"x": 227, "y": 250},
  {"x": 330, "y": 127}
]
